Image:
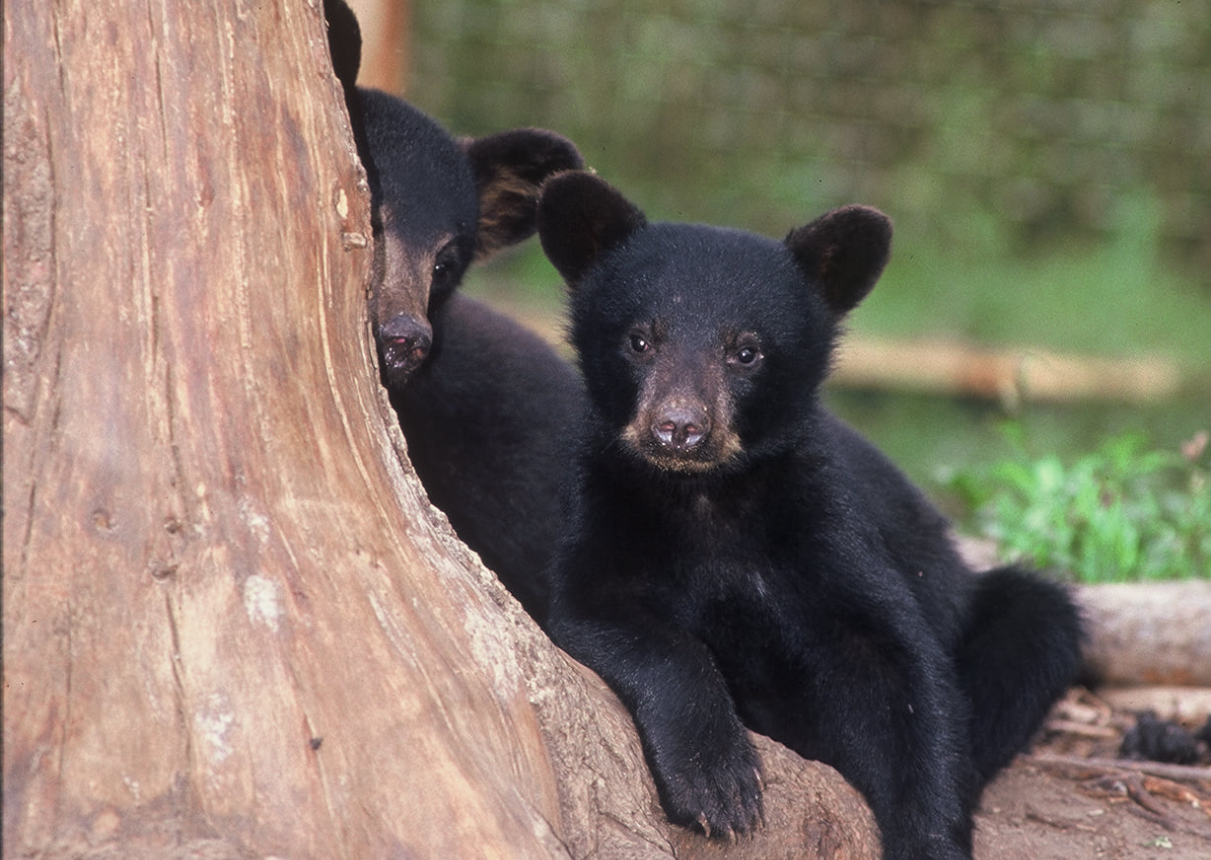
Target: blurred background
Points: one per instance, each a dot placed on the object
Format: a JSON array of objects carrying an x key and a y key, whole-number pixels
[{"x": 1047, "y": 164}]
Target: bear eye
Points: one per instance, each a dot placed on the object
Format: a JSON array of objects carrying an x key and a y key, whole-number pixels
[
  {"x": 639, "y": 343},
  {"x": 746, "y": 355},
  {"x": 445, "y": 267}
]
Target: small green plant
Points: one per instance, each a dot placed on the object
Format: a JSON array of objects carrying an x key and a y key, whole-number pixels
[{"x": 1122, "y": 513}]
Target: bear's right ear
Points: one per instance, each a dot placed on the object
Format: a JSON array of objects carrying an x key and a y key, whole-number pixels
[
  {"x": 580, "y": 217},
  {"x": 843, "y": 252},
  {"x": 344, "y": 41}
]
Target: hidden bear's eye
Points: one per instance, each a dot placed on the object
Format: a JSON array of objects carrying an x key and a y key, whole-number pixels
[
  {"x": 442, "y": 270},
  {"x": 445, "y": 267},
  {"x": 639, "y": 343}
]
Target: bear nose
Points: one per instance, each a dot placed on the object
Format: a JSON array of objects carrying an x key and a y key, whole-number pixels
[
  {"x": 405, "y": 341},
  {"x": 681, "y": 426}
]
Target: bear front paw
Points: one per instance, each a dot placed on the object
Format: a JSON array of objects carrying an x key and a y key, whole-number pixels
[{"x": 720, "y": 794}]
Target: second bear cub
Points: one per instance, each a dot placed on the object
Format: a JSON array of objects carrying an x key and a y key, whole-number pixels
[
  {"x": 483, "y": 403},
  {"x": 738, "y": 557}
]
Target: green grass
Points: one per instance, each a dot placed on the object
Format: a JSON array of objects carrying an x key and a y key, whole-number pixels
[
  {"x": 1117, "y": 297},
  {"x": 1123, "y": 512},
  {"x": 1087, "y": 300}
]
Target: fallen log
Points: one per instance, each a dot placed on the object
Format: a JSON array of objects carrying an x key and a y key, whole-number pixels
[
  {"x": 1140, "y": 634},
  {"x": 1011, "y": 375},
  {"x": 1153, "y": 633}
]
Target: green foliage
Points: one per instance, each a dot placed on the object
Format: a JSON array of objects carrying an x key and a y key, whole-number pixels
[
  {"x": 1118, "y": 297},
  {"x": 1122, "y": 513},
  {"x": 1115, "y": 298},
  {"x": 1034, "y": 119}
]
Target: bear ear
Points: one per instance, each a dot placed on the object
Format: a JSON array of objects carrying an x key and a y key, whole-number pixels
[
  {"x": 344, "y": 41},
  {"x": 580, "y": 217},
  {"x": 509, "y": 169},
  {"x": 843, "y": 252}
]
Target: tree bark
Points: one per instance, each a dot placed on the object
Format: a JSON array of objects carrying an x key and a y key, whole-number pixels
[{"x": 233, "y": 627}]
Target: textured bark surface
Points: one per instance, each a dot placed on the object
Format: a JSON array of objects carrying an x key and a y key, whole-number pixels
[{"x": 232, "y": 625}]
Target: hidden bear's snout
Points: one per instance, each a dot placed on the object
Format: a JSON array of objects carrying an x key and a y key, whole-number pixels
[{"x": 404, "y": 341}]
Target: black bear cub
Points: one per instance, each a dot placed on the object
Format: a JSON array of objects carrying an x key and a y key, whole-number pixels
[
  {"x": 736, "y": 556},
  {"x": 484, "y": 404}
]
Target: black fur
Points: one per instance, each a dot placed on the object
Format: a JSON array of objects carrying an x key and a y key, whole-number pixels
[
  {"x": 1154, "y": 739},
  {"x": 738, "y": 557},
  {"x": 482, "y": 401},
  {"x": 488, "y": 419}
]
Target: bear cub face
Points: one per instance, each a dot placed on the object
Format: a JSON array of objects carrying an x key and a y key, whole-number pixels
[
  {"x": 703, "y": 377},
  {"x": 439, "y": 203}
]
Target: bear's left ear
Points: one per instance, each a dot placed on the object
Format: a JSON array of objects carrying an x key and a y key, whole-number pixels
[
  {"x": 509, "y": 169},
  {"x": 843, "y": 252}
]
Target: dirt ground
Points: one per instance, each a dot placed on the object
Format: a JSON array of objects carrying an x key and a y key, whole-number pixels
[{"x": 1072, "y": 798}]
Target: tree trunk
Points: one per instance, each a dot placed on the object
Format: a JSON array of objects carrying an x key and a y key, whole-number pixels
[{"x": 232, "y": 625}]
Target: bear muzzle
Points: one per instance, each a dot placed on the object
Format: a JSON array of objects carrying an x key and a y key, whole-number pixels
[
  {"x": 680, "y": 435},
  {"x": 679, "y": 426},
  {"x": 404, "y": 343}
]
